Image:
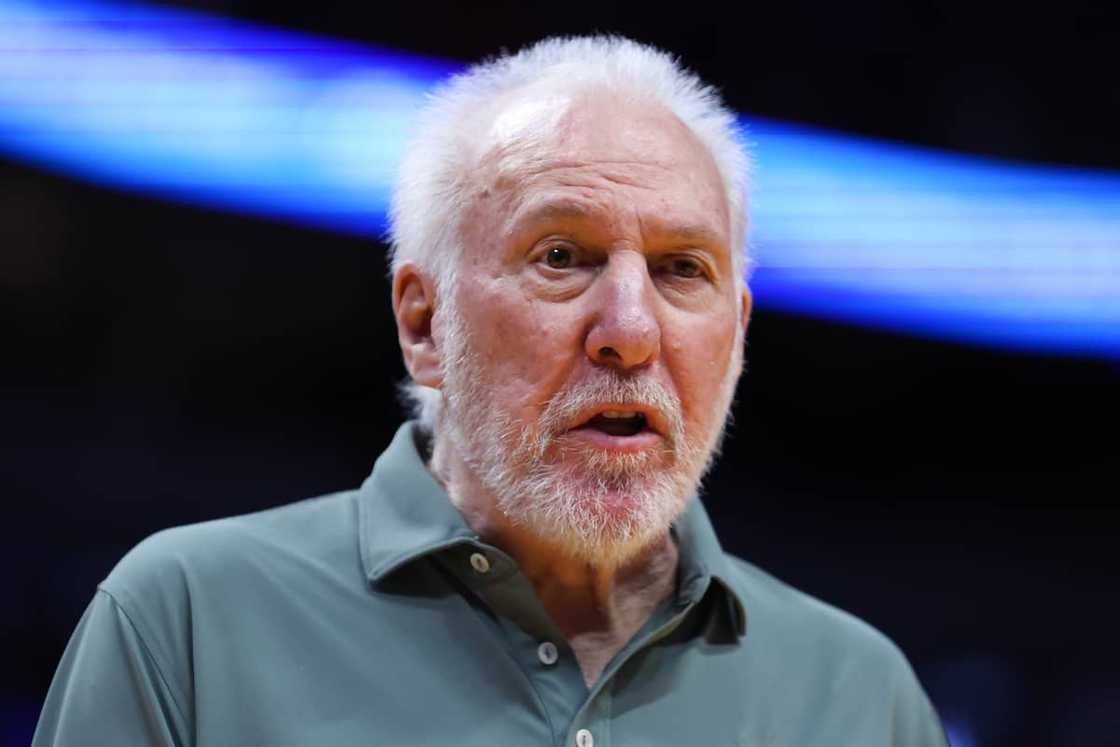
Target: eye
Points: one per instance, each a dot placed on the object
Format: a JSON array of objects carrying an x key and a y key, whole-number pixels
[
  {"x": 685, "y": 267},
  {"x": 558, "y": 258}
]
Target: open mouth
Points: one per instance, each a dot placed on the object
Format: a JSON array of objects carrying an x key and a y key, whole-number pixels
[{"x": 618, "y": 422}]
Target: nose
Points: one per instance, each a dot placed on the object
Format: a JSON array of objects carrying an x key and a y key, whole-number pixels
[{"x": 625, "y": 333}]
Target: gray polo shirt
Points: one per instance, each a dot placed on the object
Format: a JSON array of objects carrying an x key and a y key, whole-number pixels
[{"x": 377, "y": 617}]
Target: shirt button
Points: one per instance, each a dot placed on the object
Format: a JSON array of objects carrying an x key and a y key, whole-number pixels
[
  {"x": 584, "y": 738},
  {"x": 480, "y": 563},
  {"x": 547, "y": 653}
]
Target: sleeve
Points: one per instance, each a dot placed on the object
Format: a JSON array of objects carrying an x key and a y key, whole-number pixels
[{"x": 109, "y": 689}]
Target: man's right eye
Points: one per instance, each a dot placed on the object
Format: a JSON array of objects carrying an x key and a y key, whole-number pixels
[{"x": 558, "y": 258}]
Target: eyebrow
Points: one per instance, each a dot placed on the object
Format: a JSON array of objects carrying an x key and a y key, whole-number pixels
[
  {"x": 553, "y": 210},
  {"x": 569, "y": 209}
]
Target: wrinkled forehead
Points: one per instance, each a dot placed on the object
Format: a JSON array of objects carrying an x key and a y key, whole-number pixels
[{"x": 545, "y": 130}]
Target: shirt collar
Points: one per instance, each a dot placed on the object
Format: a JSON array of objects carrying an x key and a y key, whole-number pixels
[
  {"x": 404, "y": 515},
  {"x": 703, "y": 563}
]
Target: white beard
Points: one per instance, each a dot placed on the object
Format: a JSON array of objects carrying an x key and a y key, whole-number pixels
[{"x": 595, "y": 506}]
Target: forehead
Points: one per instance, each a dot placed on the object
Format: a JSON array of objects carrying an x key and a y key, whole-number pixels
[{"x": 587, "y": 156}]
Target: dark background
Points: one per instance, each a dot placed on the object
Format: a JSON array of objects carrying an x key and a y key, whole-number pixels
[{"x": 165, "y": 364}]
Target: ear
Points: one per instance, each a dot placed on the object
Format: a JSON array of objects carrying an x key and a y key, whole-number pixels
[
  {"x": 414, "y": 298},
  {"x": 745, "y": 308}
]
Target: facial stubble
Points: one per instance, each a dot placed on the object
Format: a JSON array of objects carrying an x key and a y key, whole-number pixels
[{"x": 596, "y": 506}]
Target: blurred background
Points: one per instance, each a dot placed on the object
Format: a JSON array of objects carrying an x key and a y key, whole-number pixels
[{"x": 195, "y": 316}]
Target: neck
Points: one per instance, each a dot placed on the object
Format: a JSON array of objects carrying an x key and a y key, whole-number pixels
[{"x": 583, "y": 598}]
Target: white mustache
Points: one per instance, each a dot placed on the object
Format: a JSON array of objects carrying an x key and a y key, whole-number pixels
[{"x": 610, "y": 388}]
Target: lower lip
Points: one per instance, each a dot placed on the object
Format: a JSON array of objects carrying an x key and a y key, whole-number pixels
[{"x": 603, "y": 440}]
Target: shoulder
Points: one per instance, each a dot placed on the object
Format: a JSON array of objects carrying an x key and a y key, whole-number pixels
[
  {"x": 830, "y": 663},
  {"x": 811, "y": 635},
  {"x": 172, "y": 565}
]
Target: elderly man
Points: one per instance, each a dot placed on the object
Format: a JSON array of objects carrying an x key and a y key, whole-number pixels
[{"x": 527, "y": 563}]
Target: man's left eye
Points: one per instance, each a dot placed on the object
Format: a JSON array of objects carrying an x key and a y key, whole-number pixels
[
  {"x": 685, "y": 267},
  {"x": 559, "y": 258}
]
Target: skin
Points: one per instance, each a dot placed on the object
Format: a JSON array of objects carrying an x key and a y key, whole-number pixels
[{"x": 605, "y": 245}]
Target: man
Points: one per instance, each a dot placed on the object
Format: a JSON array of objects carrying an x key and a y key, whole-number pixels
[{"x": 527, "y": 564}]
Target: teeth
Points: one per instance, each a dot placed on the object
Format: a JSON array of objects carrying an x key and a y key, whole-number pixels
[{"x": 619, "y": 414}]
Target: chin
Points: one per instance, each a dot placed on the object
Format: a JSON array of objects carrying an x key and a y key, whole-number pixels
[
  {"x": 612, "y": 549},
  {"x": 597, "y": 516}
]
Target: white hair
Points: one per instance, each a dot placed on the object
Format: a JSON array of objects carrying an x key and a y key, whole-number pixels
[{"x": 433, "y": 187}]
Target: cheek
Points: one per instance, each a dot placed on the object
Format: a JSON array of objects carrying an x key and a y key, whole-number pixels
[
  {"x": 526, "y": 347},
  {"x": 702, "y": 354}
]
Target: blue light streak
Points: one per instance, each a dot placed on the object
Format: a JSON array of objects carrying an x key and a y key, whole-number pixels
[{"x": 297, "y": 127}]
